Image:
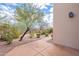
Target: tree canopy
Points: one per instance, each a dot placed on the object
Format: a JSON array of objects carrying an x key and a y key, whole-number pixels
[{"x": 28, "y": 14}]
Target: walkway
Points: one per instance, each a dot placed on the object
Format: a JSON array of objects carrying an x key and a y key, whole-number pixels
[{"x": 41, "y": 47}]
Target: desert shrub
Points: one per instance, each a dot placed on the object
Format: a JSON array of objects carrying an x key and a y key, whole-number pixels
[
  {"x": 49, "y": 30},
  {"x": 46, "y": 32},
  {"x": 38, "y": 35},
  {"x": 42, "y": 32},
  {"x": 16, "y": 33},
  {"x": 8, "y": 32},
  {"x": 32, "y": 34},
  {"x": 8, "y": 37}
]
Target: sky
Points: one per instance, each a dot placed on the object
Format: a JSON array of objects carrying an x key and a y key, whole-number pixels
[
  {"x": 9, "y": 8},
  {"x": 47, "y": 8}
]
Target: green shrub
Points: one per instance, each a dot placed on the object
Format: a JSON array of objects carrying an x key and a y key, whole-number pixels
[
  {"x": 35, "y": 34},
  {"x": 16, "y": 33},
  {"x": 8, "y": 37},
  {"x": 50, "y": 30},
  {"x": 9, "y": 32},
  {"x": 46, "y": 34},
  {"x": 31, "y": 34},
  {"x": 38, "y": 35},
  {"x": 42, "y": 32}
]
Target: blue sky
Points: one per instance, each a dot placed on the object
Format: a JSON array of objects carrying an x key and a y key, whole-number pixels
[{"x": 9, "y": 8}]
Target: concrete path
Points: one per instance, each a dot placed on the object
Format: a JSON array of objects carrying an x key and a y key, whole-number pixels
[{"x": 41, "y": 47}]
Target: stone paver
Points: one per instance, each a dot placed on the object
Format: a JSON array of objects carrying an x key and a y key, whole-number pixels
[
  {"x": 38, "y": 45},
  {"x": 22, "y": 50},
  {"x": 41, "y": 48},
  {"x": 58, "y": 50}
]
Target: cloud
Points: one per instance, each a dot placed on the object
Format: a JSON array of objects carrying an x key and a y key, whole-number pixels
[
  {"x": 41, "y": 5},
  {"x": 51, "y": 10},
  {"x": 3, "y": 7},
  {"x": 49, "y": 19},
  {"x": 4, "y": 13}
]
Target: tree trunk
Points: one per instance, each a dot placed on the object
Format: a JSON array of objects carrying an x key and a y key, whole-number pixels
[{"x": 24, "y": 33}]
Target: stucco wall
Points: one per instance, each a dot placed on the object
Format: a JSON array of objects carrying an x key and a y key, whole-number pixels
[{"x": 66, "y": 30}]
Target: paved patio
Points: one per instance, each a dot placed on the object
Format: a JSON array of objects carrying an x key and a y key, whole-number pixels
[{"x": 42, "y": 47}]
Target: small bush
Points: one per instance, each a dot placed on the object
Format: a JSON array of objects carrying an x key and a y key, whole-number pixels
[
  {"x": 38, "y": 35},
  {"x": 46, "y": 34},
  {"x": 50, "y": 30},
  {"x": 8, "y": 32},
  {"x": 31, "y": 34},
  {"x": 42, "y": 32}
]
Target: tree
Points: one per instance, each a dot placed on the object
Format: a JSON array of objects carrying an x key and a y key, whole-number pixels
[{"x": 28, "y": 14}]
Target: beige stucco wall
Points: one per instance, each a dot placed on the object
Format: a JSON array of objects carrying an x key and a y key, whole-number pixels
[{"x": 66, "y": 30}]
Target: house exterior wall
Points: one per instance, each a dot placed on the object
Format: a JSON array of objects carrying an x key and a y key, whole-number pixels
[{"x": 66, "y": 30}]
